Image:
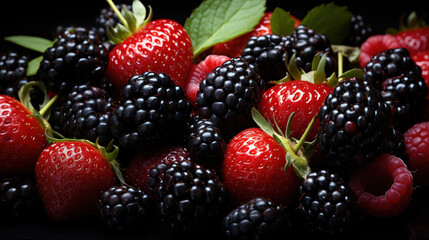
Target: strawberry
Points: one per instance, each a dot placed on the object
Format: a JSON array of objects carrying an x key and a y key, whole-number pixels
[
  {"x": 70, "y": 176},
  {"x": 376, "y": 44},
  {"x": 234, "y": 47},
  {"x": 422, "y": 60},
  {"x": 302, "y": 97},
  {"x": 22, "y": 136},
  {"x": 257, "y": 164},
  {"x": 199, "y": 72},
  {"x": 415, "y": 40},
  {"x": 161, "y": 45}
]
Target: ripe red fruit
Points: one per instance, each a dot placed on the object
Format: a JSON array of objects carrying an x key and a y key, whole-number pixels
[
  {"x": 376, "y": 44},
  {"x": 70, "y": 176},
  {"x": 416, "y": 141},
  {"x": 301, "y": 97},
  {"x": 415, "y": 40},
  {"x": 422, "y": 59},
  {"x": 22, "y": 138},
  {"x": 161, "y": 46},
  {"x": 254, "y": 167},
  {"x": 384, "y": 187},
  {"x": 137, "y": 171},
  {"x": 199, "y": 72}
]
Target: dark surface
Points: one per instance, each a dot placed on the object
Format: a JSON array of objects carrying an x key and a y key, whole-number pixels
[{"x": 40, "y": 18}]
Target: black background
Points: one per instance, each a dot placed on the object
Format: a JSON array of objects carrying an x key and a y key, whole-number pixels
[{"x": 40, "y": 18}]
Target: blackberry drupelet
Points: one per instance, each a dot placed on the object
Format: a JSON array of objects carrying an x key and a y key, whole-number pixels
[
  {"x": 353, "y": 124},
  {"x": 359, "y": 31},
  {"x": 327, "y": 205},
  {"x": 390, "y": 63},
  {"x": 406, "y": 96},
  {"x": 227, "y": 95},
  {"x": 77, "y": 57},
  {"x": 267, "y": 54},
  {"x": 305, "y": 43},
  {"x": 19, "y": 198},
  {"x": 124, "y": 208},
  {"x": 107, "y": 18},
  {"x": 259, "y": 218},
  {"x": 85, "y": 114},
  {"x": 206, "y": 143},
  {"x": 151, "y": 109},
  {"x": 396, "y": 145},
  {"x": 188, "y": 196}
]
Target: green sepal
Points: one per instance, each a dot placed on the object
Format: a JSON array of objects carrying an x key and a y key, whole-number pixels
[
  {"x": 285, "y": 79},
  {"x": 262, "y": 122},
  {"x": 293, "y": 69},
  {"x": 130, "y": 22},
  {"x": 355, "y": 72},
  {"x": 413, "y": 22},
  {"x": 319, "y": 75}
]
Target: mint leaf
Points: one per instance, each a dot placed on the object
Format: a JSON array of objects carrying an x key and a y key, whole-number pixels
[
  {"x": 281, "y": 22},
  {"x": 331, "y": 20},
  {"x": 216, "y": 21},
  {"x": 37, "y": 44}
]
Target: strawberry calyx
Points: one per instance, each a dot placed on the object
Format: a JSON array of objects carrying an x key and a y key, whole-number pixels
[
  {"x": 298, "y": 151},
  {"x": 413, "y": 21},
  {"x": 131, "y": 21}
]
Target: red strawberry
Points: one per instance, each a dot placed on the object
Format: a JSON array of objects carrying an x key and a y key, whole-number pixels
[
  {"x": 257, "y": 164},
  {"x": 384, "y": 187},
  {"x": 415, "y": 40},
  {"x": 160, "y": 46},
  {"x": 376, "y": 44},
  {"x": 416, "y": 141},
  {"x": 199, "y": 72},
  {"x": 234, "y": 47},
  {"x": 137, "y": 171},
  {"x": 70, "y": 176},
  {"x": 422, "y": 60},
  {"x": 22, "y": 137},
  {"x": 301, "y": 97}
]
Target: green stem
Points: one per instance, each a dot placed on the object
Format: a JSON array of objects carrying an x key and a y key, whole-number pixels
[
  {"x": 340, "y": 65},
  {"x": 304, "y": 136},
  {"x": 116, "y": 10},
  {"x": 48, "y": 105}
]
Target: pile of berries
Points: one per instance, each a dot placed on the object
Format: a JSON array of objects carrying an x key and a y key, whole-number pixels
[{"x": 251, "y": 137}]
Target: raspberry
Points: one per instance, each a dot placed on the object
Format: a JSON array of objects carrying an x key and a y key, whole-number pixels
[
  {"x": 383, "y": 188},
  {"x": 374, "y": 45},
  {"x": 416, "y": 141},
  {"x": 199, "y": 72}
]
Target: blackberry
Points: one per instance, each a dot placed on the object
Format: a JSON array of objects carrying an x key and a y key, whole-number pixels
[
  {"x": 305, "y": 43},
  {"x": 359, "y": 31},
  {"x": 19, "y": 198},
  {"x": 206, "y": 143},
  {"x": 107, "y": 18},
  {"x": 85, "y": 114},
  {"x": 353, "y": 124},
  {"x": 188, "y": 196},
  {"x": 327, "y": 205},
  {"x": 13, "y": 75},
  {"x": 406, "y": 96},
  {"x": 151, "y": 109},
  {"x": 396, "y": 144},
  {"x": 77, "y": 57},
  {"x": 267, "y": 54},
  {"x": 227, "y": 95},
  {"x": 390, "y": 63},
  {"x": 124, "y": 208},
  {"x": 259, "y": 218}
]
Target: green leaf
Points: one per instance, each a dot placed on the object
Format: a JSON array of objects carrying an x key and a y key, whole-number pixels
[
  {"x": 281, "y": 22},
  {"x": 355, "y": 72},
  {"x": 37, "y": 44},
  {"x": 33, "y": 66},
  {"x": 217, "y": 21},
  {"x": 350, "y": 52},
  {"x": 331, "y": 20}
]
